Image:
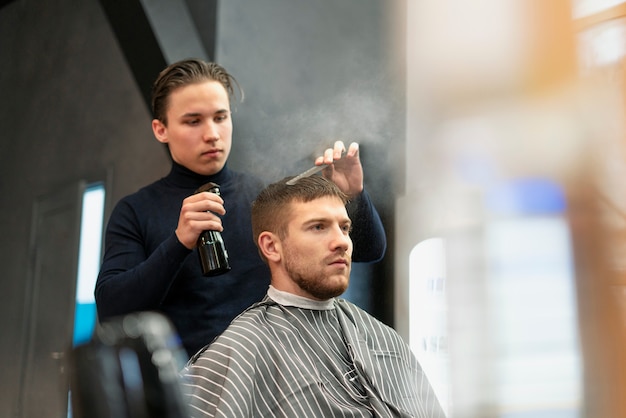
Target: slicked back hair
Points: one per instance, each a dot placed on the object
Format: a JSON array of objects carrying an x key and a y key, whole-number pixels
[{"x": 183, "y": 73}]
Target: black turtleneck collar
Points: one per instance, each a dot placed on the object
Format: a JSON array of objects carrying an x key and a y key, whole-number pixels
[{"x": 181, "y": 176}]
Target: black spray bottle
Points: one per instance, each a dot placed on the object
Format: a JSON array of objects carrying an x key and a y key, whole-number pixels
[{"x": 213, "y": 255}]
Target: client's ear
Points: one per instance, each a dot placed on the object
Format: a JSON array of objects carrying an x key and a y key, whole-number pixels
[{"x": 270, "y": 246}]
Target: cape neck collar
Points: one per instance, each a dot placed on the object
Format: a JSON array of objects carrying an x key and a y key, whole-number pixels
[{"x": 289, "y": 299}]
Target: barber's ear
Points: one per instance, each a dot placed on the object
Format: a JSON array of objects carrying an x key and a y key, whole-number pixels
[
  {"x": 270, "y": 246},
  {"x": 160, "y": 131}
]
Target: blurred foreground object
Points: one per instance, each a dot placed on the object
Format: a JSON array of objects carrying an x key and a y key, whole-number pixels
[
  {"x": 517, "y": 164},
  {"x": 129, "y": 370}
]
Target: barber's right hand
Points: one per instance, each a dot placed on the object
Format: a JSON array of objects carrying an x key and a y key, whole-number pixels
[{"x": 198, "y": 213}]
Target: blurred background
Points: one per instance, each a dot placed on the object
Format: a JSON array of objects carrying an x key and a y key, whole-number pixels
[{"x": 492, "y": 141}]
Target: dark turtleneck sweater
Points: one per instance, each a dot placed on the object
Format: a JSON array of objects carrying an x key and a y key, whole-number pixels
[{"x": 146, "y": 268}]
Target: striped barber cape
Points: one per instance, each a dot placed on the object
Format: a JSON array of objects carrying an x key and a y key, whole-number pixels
[{"x": 288, "y": 356}]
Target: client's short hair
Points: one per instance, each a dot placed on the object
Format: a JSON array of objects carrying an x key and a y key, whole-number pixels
[{"x": 271, "y": 209}]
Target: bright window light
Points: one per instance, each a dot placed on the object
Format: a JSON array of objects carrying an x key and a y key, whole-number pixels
[
  {"x": 428, "y": 328},
  {"x": 88, "y": 261},
  {"x": 582, "y": 8},
  {"x": 602, "y": 45}
]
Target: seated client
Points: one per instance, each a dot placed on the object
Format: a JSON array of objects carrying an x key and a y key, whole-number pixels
[{"x": 303, "y": 351}]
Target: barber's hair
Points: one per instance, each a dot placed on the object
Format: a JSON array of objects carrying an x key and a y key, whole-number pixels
[
  {"x": 272, "y": 207},
  {"x": 183, "y": 73}
]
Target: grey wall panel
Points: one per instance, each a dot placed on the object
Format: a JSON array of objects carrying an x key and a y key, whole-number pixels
[{"x": 312, "y": 72}]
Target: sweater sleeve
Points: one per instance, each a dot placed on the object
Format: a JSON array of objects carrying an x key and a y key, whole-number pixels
[
  {"x": 130, "y": 280},
  {"x": 368, "y": 234}
]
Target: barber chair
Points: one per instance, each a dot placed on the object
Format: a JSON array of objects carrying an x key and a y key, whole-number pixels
[{"x": 129, "y": 369}]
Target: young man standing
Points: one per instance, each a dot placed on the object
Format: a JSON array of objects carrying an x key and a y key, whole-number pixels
[{"x": 150, "y": 261}]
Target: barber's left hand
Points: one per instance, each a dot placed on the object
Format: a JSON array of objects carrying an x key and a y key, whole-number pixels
[{"x": 346, "y": 172}]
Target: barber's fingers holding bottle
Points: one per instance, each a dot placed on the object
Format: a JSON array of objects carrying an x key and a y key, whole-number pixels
[
  {"x": 344, "y": 167},
  {"x": 199, "y": 212}
]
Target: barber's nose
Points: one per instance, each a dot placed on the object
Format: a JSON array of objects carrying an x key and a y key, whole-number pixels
[{"x": 210, "y": 133}]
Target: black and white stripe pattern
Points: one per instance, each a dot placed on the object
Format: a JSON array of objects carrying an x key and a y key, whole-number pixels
[{"x": 286, "y": 361}]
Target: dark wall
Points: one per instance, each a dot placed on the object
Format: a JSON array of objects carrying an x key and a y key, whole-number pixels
[
  {"x": 70, "y": 110},
  {"x": 313, "y": 72}
]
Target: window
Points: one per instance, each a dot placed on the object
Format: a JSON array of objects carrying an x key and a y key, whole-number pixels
[{"x": 90, "y": 247}]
